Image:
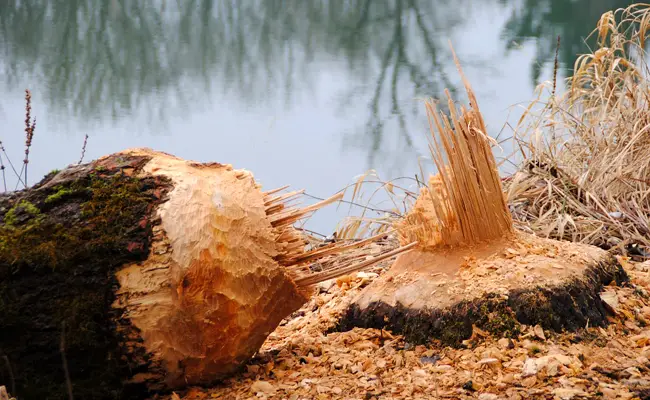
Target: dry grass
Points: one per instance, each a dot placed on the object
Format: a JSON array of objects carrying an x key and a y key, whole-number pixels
[
  {"x": 374, "y": 219},
  {"x": 586, "y": 170}
]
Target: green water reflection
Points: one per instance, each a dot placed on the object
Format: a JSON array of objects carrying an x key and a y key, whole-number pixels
[{"x": 107, "y": 60}]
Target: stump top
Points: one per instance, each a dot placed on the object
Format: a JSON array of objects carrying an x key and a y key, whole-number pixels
[{"x": 424, "y": 279}]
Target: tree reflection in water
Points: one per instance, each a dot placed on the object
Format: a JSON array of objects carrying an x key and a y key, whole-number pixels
[{"x": 98, "y": 59}]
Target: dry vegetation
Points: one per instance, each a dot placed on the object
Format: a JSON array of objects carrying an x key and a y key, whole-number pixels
[
  {"x": 30, "y": 128},
  {"x": 586, "y": 170}
]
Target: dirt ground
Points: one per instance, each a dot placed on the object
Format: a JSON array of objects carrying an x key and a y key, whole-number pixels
[{"x": 300, "y": 360}]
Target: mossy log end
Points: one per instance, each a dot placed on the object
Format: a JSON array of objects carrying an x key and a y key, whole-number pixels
[
  {"x": 60, "y": 244},
  {"x": 135, "y": 273},
  {"x": 569, "y": 306}
]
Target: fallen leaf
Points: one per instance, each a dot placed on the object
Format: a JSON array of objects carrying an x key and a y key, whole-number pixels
[{"x": 610, "y": 299}]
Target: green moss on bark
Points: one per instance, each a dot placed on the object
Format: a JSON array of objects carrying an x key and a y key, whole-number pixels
[{"x": 59, "y": 248}]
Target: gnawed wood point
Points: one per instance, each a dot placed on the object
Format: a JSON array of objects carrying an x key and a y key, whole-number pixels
[
  {"x": 236, "y": 268},
  {"x": 471, "y": 267}
]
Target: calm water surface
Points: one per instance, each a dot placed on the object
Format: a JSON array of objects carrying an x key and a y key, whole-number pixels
[{"x": 306, "y": 93}]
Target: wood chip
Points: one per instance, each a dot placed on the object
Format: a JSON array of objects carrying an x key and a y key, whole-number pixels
[
  {"x": 5, "y": 396},
  {"x": 262, "y": 387},
  {"x": 302, "y": 359}
]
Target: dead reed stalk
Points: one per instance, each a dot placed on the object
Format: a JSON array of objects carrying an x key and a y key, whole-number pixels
[
  {"x": 83, "y": 149},
  {"x": 590, "y": 180},
  {"x": 30, "y": 127},
  {"x": 2, "y": 168},
  {"x": 18, "y": 175}
]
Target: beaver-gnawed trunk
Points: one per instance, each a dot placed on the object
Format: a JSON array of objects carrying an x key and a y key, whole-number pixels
[
  {"x": 143, "y": 272},
  {"x": 135, "y": 273}
]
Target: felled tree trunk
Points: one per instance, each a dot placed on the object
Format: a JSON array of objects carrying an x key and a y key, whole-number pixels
[{"x": 141, "y": 272}]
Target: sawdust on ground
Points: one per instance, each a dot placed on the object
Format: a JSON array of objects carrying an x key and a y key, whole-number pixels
[{"x": 300, "y": 360}]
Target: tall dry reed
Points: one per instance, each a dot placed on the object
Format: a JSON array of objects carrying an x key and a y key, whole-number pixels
[{"x": 586, "y": 170}]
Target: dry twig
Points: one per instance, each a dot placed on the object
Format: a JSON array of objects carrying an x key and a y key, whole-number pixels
[
  {"x": 83, "y": 149},
  {"x": 30, "y": 127}
]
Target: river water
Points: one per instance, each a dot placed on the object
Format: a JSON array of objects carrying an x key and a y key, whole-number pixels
[{"x": 307, "y": 93}]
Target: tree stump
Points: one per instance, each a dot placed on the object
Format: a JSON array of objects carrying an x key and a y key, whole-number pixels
[
  {"x": 142, "y": 272},
  {"x": 495, "y": 287},
  {"x": 471, "y": 268}
]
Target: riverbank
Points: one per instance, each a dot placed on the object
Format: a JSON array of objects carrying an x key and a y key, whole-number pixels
[{"x": 584, "y": 177}]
